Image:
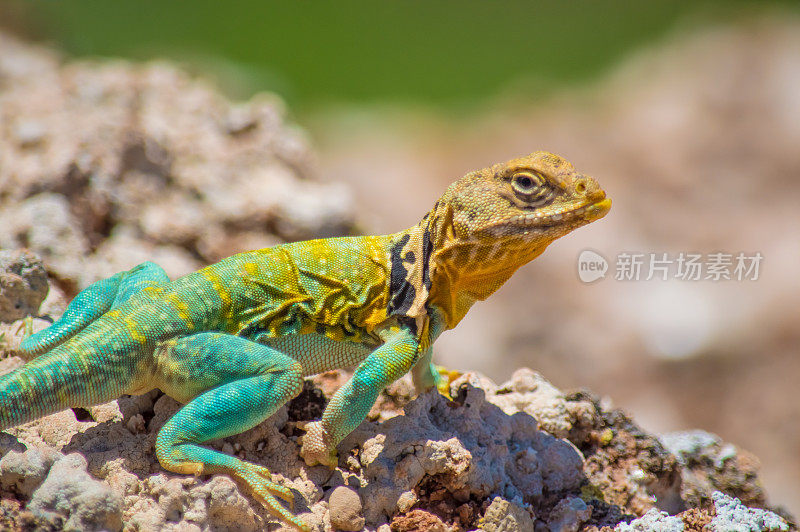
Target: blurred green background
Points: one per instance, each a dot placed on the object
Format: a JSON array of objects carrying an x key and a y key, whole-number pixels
[{"x": 450, "y": 53}]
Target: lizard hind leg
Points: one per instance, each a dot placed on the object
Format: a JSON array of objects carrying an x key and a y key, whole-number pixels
[
  {"x": 234, "y": 384},
  {"x": 91, "y": 303},
  {"x": 82, "y": 372}
]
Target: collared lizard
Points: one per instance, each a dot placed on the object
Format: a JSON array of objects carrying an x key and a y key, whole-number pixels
[{"x": 234, "y": 340}]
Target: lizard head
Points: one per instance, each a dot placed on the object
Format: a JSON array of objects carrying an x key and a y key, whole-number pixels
[
  {"x": 522, "y": 204},
  {"x": 492, "y": 221}
]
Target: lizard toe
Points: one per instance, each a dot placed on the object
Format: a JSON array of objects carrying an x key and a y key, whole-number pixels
[
  {"x": 259, "y": 479},
  {"x": 445, "y": 379}
]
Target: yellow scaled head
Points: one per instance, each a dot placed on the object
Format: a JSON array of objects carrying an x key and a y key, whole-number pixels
[
  {"x": 537, "y": 199},
  {"x": 492, "y": 221},
  {"x": 497, "y": 219}
]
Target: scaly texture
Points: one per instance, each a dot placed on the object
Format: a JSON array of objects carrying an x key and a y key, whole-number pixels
[{"x": 234, "y": 340}]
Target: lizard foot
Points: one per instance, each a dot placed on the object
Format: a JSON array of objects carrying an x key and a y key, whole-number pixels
[
  {"x": 26, "y": 330},
  {"x": 315, "y": 447},
  {"x": 445, "y": 379},
  {"x": 26, "y": 327},
  {"x": 260, "y": 481}
]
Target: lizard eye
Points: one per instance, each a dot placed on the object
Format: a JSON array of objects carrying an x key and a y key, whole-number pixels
[{"x": 526, "y": 183}]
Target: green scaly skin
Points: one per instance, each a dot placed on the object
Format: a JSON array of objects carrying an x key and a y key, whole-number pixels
[{"x": 233, "y": 341}]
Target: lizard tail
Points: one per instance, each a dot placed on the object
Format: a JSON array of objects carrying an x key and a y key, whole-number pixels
[{"x": 70, "y": 375}]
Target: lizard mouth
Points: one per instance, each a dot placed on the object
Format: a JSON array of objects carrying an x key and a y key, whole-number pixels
[{"x": 583, "y": 214}]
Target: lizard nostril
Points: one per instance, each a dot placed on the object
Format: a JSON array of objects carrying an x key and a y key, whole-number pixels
[{"x": 587, "y": 188}]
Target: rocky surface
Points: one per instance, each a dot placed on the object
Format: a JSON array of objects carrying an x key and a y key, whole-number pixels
[
  {"x": 710, "y": 464},
  {"x": 23, "y": 284},
  {"x": 457, "y": 464},
  {"x": 517, "y": 456}
]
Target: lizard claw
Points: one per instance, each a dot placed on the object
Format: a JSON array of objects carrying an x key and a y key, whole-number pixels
[
  {"x": 25, "y": 327},
  {"x": 22, "y": 333},
  {"x": 315, "y": 447},
  {"x": 261, "y": 479}
]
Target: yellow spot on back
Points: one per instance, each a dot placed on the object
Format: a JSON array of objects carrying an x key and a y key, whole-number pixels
[
  {"x": 153, "y": 290},
  {"x": 134, "y": 331},
  {"x": 251, "y": 268},
  {"x": 219, "y": 287},
  {"x": 182, "y": 308}
]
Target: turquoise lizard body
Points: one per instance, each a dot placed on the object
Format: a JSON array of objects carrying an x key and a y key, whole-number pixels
[{"x": 234, "y": 340}]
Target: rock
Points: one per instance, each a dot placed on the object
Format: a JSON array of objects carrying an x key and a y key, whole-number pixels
[
  {"x": 23, "y": 472},
  {"x": 440, "y": 465},
  {"x": 346, "y": 512},
  {"x": 23, "y": 284},
  {"x": 608, "y": 439},
  {"x": 45, "y": 224},
  {"x": 123, "y": 250},
  {"x": 733, "y": 516},
  {"x": 569, "y": 514},
  {"x": 728, "y": 515},
  {"x": 107, "y": 163},
  {"x": 689, "y": 445},
  {"x": 12, "y": 334},
  {"x": 630, "y": 467},
  {"x": 472, "y": 450},
  {"x": 417, "y": 521},
  {"x": 710, "y": 464},
  {"x": 528, "y": 392},
  {"x": 69, "y": 492},
  {"x": 506, "y": 516},
  {"x": 652, "y": 520}
]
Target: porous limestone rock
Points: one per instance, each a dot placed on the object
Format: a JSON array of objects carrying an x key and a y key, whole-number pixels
[
  {"x": 70, "y": 492},
  {"x": 710, "y": 464},
  {"x": 569, "y": 514},
  {"x": 505, "y": 516},
  {"x": 345, "y": 509},
  {"x": 108, "y": 163},
  {"x": 441, "y": 464},
  {"x": 651, "y": 521},
  {"x": 472, "y": 448},
  {"x": 733, "y": 516},
  {"x": 23, "y": 472},
  {"x": 529, "y": 392},
  {"x": 23, "y": 284}
]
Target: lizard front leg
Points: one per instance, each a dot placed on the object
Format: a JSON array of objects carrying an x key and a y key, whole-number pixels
[
  {"x": 351, "y": 403},
  {"x": 424, "y": 374}
]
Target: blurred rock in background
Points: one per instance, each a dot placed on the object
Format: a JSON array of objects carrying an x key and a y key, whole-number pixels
[{"x": 106, "y": 165}]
